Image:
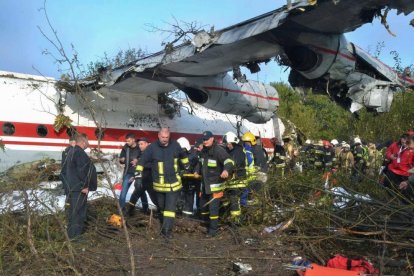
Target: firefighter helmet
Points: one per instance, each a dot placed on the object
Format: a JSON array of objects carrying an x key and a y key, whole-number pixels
[
  {"x": 357, "y": 140},
  {"x": 326, "y": 143},
  {"x": 249, "y": 137},
  {"x": 230, "y": 137},
  {"x": 334, "y": 142},
  {"x": 184, "y": 143}
]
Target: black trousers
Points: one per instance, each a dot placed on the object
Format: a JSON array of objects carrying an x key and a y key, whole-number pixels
[
  {"x": 393, "y": 181},
  {"x": 139, "y": 192},
  {"x": 190, "y": 190},
  {"x": 210, "y": 208},
  {"x": 76, "y": 213},
  {"x": 167, "y": 204}
]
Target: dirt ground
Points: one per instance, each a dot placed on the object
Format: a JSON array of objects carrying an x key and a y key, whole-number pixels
[{"x": 104, "y": 250}]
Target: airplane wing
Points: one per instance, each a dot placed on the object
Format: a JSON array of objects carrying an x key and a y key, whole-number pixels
[
  {"x": 254, "y": 40},
  {"x": 306, "y": 35}
]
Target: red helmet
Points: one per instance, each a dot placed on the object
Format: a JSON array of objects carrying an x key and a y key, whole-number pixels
[{"x": 326, "y": 143}]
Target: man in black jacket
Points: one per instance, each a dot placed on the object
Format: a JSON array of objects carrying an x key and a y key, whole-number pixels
[
  {"x": 164, "y": 155},
  {"x": 79, "y": 176},
  {"x": 129, "y": 156},
  {"x": 215, "y": 167}
]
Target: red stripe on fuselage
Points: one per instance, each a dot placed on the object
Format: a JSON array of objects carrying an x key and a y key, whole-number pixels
[
  {"x": 49, "y": 144},
  {"x": 241, "y": 92},
  {"x": 333, "y": 52}
]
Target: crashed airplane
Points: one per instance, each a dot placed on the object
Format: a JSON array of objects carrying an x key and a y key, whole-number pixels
[{"x": 306, "y": 35}]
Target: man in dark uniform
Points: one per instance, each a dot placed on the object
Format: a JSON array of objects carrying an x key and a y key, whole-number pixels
[
  {"x": 191, "y": 183},
  {"x": 164, "y": 155},
  {"x": 215, "y": 167},
  {"x": 146, "y": 185},
  {"x": 279, "y": 157},
  {"x": 79, "y": 178},
  {"x": 236, "y": 185}
]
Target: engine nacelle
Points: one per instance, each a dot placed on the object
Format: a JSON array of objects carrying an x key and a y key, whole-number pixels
[
  {"x": 251, "y": 100},
  {"x": 317, "y": 54}
]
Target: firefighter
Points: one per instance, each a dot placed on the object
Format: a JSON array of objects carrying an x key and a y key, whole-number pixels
[
  {"x": 346, "y": 159},
  {"x": 238, "y": 183},
  {"x": 146, "y": 185},
  {"x": 164, "y": 156},
  {"x": 329, "y": 158},
  {"x": 215, "y": 167},
  {"x": 279, "y": 157},
  {"x": 306, "y": 154},
  {"x": 318, "y": 155},
  {"x": 360, "y": 160},
  {"x": 191, "y": 183},
  {"x": 256, "y": 166}
]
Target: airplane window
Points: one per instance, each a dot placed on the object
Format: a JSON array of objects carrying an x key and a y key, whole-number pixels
[
  {"x": 99, "y": 133},
  {"x": 71, "y": 131},
  {"x": 41, "y": 130},
  {"x": 8, "y": 129}
]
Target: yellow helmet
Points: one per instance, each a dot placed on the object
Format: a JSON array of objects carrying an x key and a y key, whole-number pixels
[{"x": 249, "y": 137}]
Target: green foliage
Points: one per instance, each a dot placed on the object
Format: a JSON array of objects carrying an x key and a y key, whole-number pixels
[
  {"x": 387, "y": 126},
  {"x": 123, "y": 57},
  {"x": 318, "y": 117}
]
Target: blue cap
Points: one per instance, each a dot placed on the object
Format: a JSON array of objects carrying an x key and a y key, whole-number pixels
[{"x": 207, "y": 135}]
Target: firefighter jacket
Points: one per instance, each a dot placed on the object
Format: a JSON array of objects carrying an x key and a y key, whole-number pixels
[
  {"x": 78, "y": 171},
  {"x": 404, "y": 160},
  {"x": 279, "y": 156},
  {"x": 329, "y": 158},
  {"x": 164, "y": 165},
  {"x": 239, "y": 179},
  {"x": 318, "y": 155},
  {"x": 359, "y": 156},
  {"x": 213, "y": 161},
  {"x": 259, "y": 158}
]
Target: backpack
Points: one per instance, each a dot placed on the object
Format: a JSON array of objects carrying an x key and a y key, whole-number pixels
[{"x": 358, "y": 264}]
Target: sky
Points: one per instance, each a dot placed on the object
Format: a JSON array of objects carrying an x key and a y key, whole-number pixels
[{"x": 95, "y": 27}]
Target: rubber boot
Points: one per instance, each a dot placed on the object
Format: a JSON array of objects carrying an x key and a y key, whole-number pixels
[
  {"x": 130, "y": 209},
  {"x": 167, "y": 226},
  {"x": 212, "y": 228}
]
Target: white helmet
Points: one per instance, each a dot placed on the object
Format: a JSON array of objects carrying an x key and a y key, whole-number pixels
[
  {"x": 308, "y": 142},
  {"x": 357, "y": 140},
  {"x": 230, "y": 137},
  {"x": 334, "y": 142},
  {"x": 184, "y": 143},
  {"x": 346, "y": 146}
]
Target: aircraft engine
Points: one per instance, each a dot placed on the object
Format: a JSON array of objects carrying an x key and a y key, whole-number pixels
[
  {"x": 251, "y": 100},
  {"x": 315, "y": 55}
]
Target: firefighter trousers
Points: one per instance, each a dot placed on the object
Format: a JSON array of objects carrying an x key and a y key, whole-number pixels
[
  {"x": 234, "y": 196},
  {"x": 210, "y": 206},
  {"x": 167, "y": 204}
]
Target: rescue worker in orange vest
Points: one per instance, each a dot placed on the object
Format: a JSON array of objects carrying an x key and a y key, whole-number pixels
[
  {"x": 215, "y": 167},
  {"x": 164, "y": 156},
  {"x": 236, "y": 185}
]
